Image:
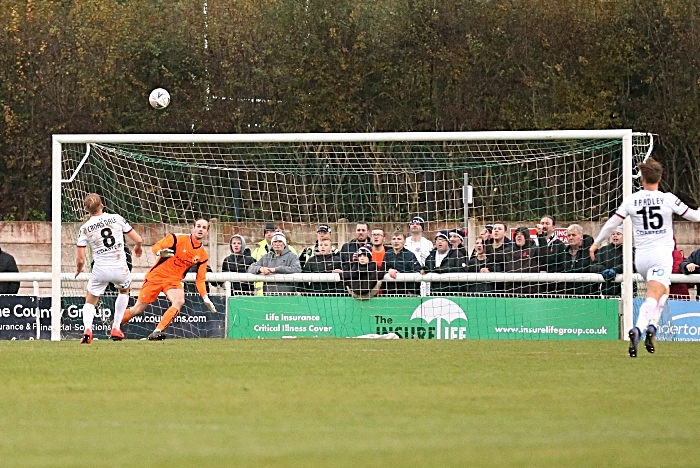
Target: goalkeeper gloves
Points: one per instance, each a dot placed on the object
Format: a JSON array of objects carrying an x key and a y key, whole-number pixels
[
  {"x": 609, "y": 274},
  {"x": 165, "y": 253},
  {"x": 209, "y": 304}
]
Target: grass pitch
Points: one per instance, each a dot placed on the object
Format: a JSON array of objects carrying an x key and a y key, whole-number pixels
[{"x": 347, "y": 402}]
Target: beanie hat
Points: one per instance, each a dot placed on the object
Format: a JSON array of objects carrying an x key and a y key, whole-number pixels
[
  {"x": 459, "y": 233},
  {"x": 419, "y": 220},
  {"x": 620, "y": 229},
  {"x": 270, "y": 227},
  {"x": 324, "y": 228},
  {"x": 279, "y": 236},
  {"x": 364, "y": 250},
  {"x": 442, "y": 235}
]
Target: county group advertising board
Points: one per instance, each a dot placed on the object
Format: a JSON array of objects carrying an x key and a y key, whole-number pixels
[{"x": 29, "y": 318}]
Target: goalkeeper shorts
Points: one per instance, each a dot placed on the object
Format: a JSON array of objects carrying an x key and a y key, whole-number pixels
[{"x": 150, "y": 290}]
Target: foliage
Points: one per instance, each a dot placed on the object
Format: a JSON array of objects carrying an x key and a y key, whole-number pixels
[{"x": 86, "y": 66}]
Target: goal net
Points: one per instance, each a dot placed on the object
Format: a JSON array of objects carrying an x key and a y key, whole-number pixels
[{"x": 161, "y": 183}]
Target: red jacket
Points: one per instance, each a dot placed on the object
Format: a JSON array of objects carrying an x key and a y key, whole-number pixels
[{"x": 678, "y": 290}]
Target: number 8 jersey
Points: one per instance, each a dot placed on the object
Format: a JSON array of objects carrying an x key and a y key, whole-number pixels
[
  {"x": 105, "y": 234},
  {"x": 652, "y": 218}
]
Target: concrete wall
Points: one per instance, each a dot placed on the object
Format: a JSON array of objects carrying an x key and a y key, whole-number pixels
[{"x": 30, "y": 242}]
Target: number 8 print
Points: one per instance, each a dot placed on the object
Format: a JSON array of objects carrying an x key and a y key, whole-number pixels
[{"x": 108, "y": 240}]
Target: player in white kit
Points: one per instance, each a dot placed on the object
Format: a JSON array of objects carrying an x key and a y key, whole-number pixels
[
  {"x": 104, "y": 232},
  {"x": 652, "y": 216}
]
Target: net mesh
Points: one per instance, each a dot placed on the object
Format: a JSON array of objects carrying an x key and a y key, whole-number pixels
[{"x": 162, "y": 188}]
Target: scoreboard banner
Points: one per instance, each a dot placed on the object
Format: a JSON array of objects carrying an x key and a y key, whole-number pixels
[{"x": 438, "y": 318}]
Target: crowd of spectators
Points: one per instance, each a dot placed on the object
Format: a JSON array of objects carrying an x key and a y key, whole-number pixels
[{"x": 364, "y": 261}]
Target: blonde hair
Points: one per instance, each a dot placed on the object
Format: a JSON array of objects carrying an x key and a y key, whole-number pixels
[{"x": 93, "y": 203}]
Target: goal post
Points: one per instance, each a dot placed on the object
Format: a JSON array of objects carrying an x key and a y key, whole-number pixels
[{"x": 315, "y": 178}]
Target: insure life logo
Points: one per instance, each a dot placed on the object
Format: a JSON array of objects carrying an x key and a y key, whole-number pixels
[{"x": 442, "y": 310}]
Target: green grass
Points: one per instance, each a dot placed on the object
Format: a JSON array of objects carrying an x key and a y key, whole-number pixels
[{"x": 344, "y": 402}]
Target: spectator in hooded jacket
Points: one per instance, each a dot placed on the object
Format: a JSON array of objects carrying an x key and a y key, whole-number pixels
[
  {"x": 238, "y": 262},
  {"x": 400, "y": 260},
  {"x": 8, "y": 265},
  {"x": 324, "y": 261},
  {"x": 361, "y": 277},
  {"x": 279, "y": 260},
  {"x": 608, "y": 262},
  {"x": 522, "y": 257}
]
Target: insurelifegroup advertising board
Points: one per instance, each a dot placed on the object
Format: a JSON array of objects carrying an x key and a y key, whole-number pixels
[{"x": 432, "y": 318}]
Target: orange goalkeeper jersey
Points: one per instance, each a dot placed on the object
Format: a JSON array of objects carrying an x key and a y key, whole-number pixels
[{"x": 187, "y": 253}]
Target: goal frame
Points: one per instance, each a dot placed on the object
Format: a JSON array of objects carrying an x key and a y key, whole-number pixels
[{"x": 624, "y": 135}]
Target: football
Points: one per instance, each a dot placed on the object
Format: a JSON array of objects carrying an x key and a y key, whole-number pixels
[{"x": 159, "y": 98}]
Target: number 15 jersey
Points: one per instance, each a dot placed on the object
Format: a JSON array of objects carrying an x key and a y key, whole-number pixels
[
  {"x": 652, "y": 218},
  {"x": 105, "y": 234}
]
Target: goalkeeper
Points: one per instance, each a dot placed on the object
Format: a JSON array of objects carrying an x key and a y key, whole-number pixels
[{"x": 177, "y": 253}]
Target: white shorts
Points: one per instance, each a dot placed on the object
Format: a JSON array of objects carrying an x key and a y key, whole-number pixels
[
  {"x": 101, "y": 277},
  {"x": 655, "y": 266}
]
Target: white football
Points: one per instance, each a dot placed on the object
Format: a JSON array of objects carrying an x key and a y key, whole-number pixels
[{"x": 159, "y": 98}]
